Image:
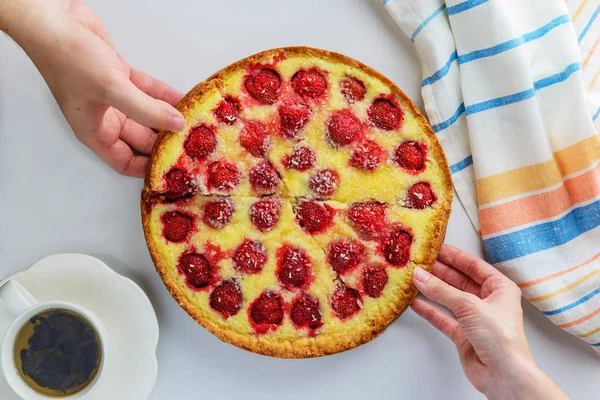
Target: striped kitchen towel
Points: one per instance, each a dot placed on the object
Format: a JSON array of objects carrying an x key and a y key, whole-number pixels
[{"x": 510, "y": 89}]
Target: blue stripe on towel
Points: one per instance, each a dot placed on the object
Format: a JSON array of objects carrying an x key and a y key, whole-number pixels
[
  {"x": 526, "y": 94},
  {"x": 464, "y": 6},
  {"x": 573, "y": 304},
  {"x": 543, "y": 236},
  {"x": 512, "y": 98},
  {"x": 514, "y": 43},
  {"x": 500, "y": 101},
  {"x": 427, "y": 21},
  {"x": 596, "y": 115},
  {"x": 443, "y": 125},
  {"x": 500, "y": 48},
  {"x": 442, "y": 72},
  {"x": 462, "y": 164},
  {"x": 588, "y": 26}
]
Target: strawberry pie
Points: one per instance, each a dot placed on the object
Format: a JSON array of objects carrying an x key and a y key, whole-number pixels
[{"x": 288, "y": 216}]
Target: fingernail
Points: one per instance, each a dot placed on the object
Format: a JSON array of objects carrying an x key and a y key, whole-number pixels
[
  {"x": 421, "y": 275},
  {"x": 177, "y": 124}
]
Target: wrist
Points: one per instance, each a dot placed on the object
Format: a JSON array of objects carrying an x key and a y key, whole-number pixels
[
  {"x": 28, "y": 22},
  {"x": 524, "y": 380},
  {"x": 14, "y": 15}
]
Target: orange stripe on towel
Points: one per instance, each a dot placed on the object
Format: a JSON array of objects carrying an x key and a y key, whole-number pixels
[
  {"x": 590, "y": 333},
  {"x": 541, "y": 206},
  {"x": 580, "y": 320},
  {"x": 593, "y": 82},
  {"x": 591, "y": 53},
  {"x": 557, "y": 274},
  {"x": 566, "y": 288},
  {"x": 539, "y": 176},
  {"x": 579, "y": 10}
]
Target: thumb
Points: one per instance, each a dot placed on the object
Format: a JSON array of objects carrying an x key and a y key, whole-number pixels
[
  {"x": 144, "y": 109},
  {"x": 440, "y": 292}
]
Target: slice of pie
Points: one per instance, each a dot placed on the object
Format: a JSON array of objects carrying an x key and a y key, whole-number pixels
[{"x": 288, "y": 215}]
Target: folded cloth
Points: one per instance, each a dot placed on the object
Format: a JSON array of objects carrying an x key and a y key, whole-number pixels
[{"x": 510, "y": 89}]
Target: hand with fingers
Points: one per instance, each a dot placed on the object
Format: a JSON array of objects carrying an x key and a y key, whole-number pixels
[
  {"x": 110, "y": 106},
  {"x": 488, "y": 328}
]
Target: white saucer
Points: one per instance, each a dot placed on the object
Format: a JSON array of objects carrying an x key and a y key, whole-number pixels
[{"x": 131, "y": 324}]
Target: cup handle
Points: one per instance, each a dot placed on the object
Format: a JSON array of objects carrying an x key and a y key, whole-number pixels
[{"x": 15, "y": 298}]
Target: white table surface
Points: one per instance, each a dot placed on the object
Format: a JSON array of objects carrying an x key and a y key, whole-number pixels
[{"x": 55, "y": 196}]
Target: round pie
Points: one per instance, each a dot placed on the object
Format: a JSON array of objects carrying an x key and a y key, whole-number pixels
[{"x": 288, "y": 216}]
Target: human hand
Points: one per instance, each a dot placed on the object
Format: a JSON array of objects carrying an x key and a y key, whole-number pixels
[
  {"x": 110, "y": 106},
  {"x": 488, "y": 329}
]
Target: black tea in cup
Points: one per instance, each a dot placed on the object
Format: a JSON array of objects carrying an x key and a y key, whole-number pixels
[{"x": 58, "y": 352}]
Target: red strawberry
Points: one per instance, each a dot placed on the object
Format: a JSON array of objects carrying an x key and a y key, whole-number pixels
[
  {"x": 250, "y": 257},
  {"x": 367, "y": 156},
  {"x": 263, "y": 178},
  {"x": 255, "y": 139},
  {"x": 176, "y": 226},
  {"x": 302, "y": 159},
  {"x": 343, "y": 128},
  {"x": 196, "y": 269},
  {"x": 217, "y": 213},
  {"x": 369, "y": 217},
  {"x": 395, "y": 246},
  {"x": 345, "y": 301},
  {"x": 306, "y": 312},
  {"x": 179, "y": 185},
  {"x": 263, "y": 85},
  {"x": 293, "y": 118},
  {"x": 374, "y": 280},
  {"x": 385, "y": 114},
  {"x": 264, "y": 214},
  {"x": 200, "y": 143},
  {"x": 411, "y": 156},
  {"x": 227, "y": 298},
  {"x": 314, "y": 217},
  {"x": 344, "y": 255},
  {"x": 267, "y": 309},
  {"x": 223, "y": 176},
  {"x": 324, "y": 182},
  {"x": 293, "y": 266},
  {"x": 309, "y": 83},
  {"x": 420, "y": 196},
  {"x": 353, "y": 89},
  {"x": 228, "y": 111}
]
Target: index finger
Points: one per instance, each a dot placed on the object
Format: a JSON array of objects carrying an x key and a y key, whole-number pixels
[
  {"x": 154, "y": 87},
  {"x": 474, "y": 267}
]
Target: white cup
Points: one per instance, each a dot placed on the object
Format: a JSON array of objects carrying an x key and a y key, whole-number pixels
[{"x": 23, "y": 306}]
